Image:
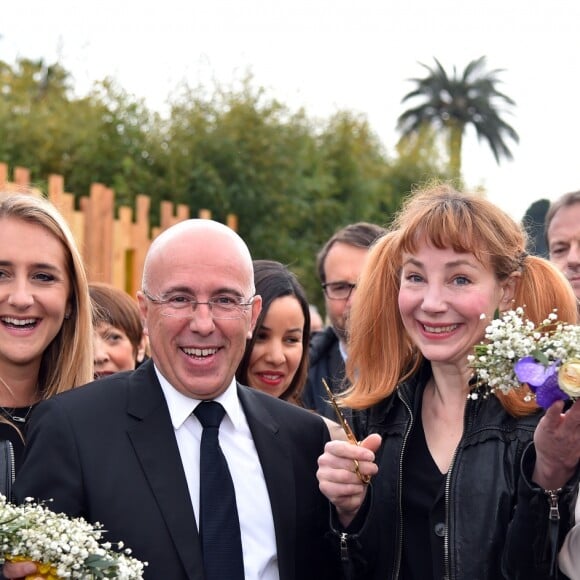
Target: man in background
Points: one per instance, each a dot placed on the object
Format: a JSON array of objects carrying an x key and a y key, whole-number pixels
[
  {"x": 339, "y": 265},
  {"x": 563, "y": 236},
  {"x": 563, "y": 240}
]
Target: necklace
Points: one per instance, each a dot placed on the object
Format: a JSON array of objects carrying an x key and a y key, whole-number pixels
[{"x": 10, "y": 414}]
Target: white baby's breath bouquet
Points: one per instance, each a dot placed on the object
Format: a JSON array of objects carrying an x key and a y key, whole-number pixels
[
  {"x": 62, "y": 547},
  {"x": 546, "y": 357}
]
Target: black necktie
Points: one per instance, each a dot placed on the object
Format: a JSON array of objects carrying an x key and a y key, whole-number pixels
[{"x": 219, "y": 525}]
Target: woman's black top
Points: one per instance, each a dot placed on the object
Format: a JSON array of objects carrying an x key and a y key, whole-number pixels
[{"x": 423, "y": 510}]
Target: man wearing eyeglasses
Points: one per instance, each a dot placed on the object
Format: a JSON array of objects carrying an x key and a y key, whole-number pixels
[
  {"x": 339, "y": 265},
  {"x": 563, "y": 239},
  {"x": 131, "y": 451}
]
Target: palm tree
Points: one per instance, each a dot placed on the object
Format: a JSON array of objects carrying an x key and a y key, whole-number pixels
[{"x": 453, "y": 103}]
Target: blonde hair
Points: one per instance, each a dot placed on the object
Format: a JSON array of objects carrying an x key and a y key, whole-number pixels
[
  {"x": 381, "y": 354},
  {"x": 67, "y": 361}
]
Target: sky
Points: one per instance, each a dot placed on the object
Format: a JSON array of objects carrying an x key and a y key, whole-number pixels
[{"x": 333, "y": 55}]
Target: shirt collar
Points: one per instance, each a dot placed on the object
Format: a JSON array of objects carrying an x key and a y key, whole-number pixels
[
  {"x": 181, "y": 406},
  {"x": 342, "y": 350}
]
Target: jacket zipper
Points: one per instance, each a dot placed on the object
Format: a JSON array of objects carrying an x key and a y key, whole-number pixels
[
  {"x": 553, "y": 525},
  {"x": 397, "y": 568},
  {"x": 344, "y": 547},
  {"x": 553, "y": 495},
  {"x": 446, "y": 556},
  {"x": 9, "y": 469},
  {"x": 446, "y": 564},
  {"x": 12, "y": 463}
]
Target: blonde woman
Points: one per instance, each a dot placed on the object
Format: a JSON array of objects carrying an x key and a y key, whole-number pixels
[{"x": 45, "y": 315}]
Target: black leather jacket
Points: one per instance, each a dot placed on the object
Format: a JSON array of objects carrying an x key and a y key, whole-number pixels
[{"x": 497, "y": 522}]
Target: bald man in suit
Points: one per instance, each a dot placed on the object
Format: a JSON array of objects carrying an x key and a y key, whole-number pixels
[{"x": 124, "y": 450}]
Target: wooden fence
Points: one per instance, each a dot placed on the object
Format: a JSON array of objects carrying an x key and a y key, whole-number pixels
[{"x": 113, "y": 244}]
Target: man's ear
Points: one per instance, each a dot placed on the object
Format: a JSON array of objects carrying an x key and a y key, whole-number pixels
[
  {"x": 143, "y": 305},
  {"x": 256, "y": 309},
  {"x": 142, "y": 349}
]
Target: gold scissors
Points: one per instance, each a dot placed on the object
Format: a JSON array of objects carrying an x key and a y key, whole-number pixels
[{"x": 348, "y": 431}]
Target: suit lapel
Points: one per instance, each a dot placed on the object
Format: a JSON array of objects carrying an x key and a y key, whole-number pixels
[
  {"x": 273, "y": 451},
  {"x": 154, "y": 442}
]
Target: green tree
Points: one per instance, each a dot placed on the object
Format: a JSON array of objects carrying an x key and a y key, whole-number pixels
[
  {"x": 103, "y": 137},
  {"x": 418, "y": 162},
  {"x": 454, "y": 102},
  {"x": 290, "y": 181},
  {"x": 33, "y": 100},
  {"x": 110, "y": 140},
  {"x": 357, "y": 166}
]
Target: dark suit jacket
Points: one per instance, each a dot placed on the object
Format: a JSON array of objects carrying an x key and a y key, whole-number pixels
[
  {"x": 107, "y": 452},
  {"x": 325, "y": 362}
]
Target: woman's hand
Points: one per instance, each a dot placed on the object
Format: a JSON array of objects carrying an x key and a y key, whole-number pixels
[
  {"x": 20, "y": 570},
  {"x": 338, "y": 478},
  {"x": 557, "y": 442}
]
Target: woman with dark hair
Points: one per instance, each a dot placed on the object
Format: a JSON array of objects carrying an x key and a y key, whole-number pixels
[
  {"x": 119, "y": 341},
  {"x": 276, "y": 357}
]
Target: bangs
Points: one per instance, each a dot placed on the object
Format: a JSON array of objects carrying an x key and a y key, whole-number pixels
[{"x": 447, "y": 224}]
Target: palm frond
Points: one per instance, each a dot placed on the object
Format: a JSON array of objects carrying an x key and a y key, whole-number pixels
[{"x": 459, "y": 100}]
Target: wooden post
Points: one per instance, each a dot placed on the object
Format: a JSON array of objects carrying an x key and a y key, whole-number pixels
[
  {"x": 232, "y": 221},
  {"x": 122, "y": 247},
  {"x": 141, "y": 239},
  {"x": 21, "y": 176},
  {"x": 3, "y": 175}
]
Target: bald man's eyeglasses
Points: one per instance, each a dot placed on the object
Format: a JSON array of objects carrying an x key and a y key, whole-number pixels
[{"x": 223, "y": 307}]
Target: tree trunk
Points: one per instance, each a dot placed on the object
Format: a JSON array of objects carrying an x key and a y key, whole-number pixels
[{"x": 455, "y": 143}]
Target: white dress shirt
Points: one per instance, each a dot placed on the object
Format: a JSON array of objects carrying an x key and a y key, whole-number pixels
[
  {"x": 253, "y": 502},
  {"x": 342, "y": 350}
]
